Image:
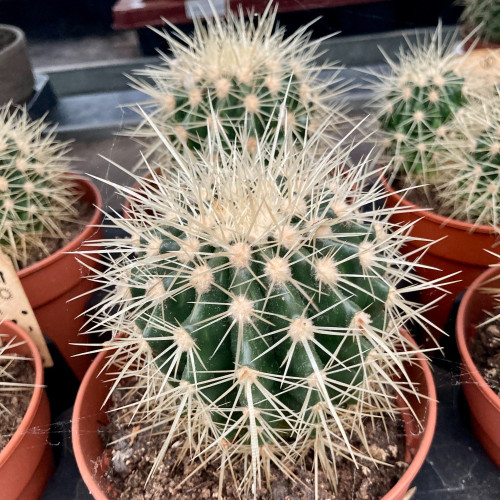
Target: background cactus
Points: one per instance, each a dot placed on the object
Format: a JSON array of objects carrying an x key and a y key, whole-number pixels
[
  {"x": 36, "y": 193},
  {"x": 243, "y": 71},
  {"x": 485, "y": 15},
  {"x": 416, "y": 101},
  {"x": 471, "y": 155},
  {"x": 259, "y": 305}
]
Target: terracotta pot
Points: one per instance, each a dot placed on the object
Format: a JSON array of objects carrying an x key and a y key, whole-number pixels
[
  {"x": 89, "y": 415},
  {"x": 16, "y": 83},
  {"x": 26, "y": 462},
  {"x": 483, "y": 401},
  {"x": 462, "y": 249},
  {"x": 55, "y": 280}
]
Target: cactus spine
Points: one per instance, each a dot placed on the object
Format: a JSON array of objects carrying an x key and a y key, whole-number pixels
[
  {"x": 36, "y": 193},
  {"x": 233, "y": 73},
  {"x": 259, "y": 306},
  {"x": 484, "y": 14}
]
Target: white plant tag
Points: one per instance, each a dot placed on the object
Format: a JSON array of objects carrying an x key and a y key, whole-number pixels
[
  {"x": 203, "y": 8},
  {"x": 14, "y": 306}
]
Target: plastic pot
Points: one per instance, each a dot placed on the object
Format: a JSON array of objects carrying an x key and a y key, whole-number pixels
[
  {"x": 89, "y": 415},
  {"x": 462, "y": 250},
  {"x": 483, "y": 402},
  {"x": 16, "y": 83},
  {"x": 26, "y": 462},
  {"x": 55, "y": 280}
]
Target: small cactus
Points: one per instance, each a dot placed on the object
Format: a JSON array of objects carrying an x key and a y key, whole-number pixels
[
  {"x": 258, "y": 307},
  {"x": 485, "y": 15},
  {"x": 415, "y": 103},
  {"x": 36, "y": 193},
  {"x": 470, "y": 154},
  {"x": 234, "y": 73}
]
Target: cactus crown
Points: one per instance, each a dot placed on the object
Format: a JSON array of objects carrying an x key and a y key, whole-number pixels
[
  {"x": 246, "y": 72},
  {"x": 35, "y": 191},
  {"x": 415, "y": 103},
  {"x": 471, "y": 153},
  {"x": 485, "y": 14},
  {"x": 259, "y": 305}
]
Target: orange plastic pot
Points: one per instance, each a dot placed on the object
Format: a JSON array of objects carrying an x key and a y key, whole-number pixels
[
  {"x": 26, "y": 462},
  {"x": 51, "y": 283},
  {"x": 89, "y": 415},
  {"x": 483, "y": 402},
  {"x": 462, "y": 250}
]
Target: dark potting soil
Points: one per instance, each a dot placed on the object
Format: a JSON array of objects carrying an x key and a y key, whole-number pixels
[
  {"x": 131, "y": 454},
  {"x": 14, "y": 403},
  {"x": 485, "y": 352},
  {"x": 70, "y": 230}
]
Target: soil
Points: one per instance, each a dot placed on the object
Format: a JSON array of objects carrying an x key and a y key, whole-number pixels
[
  {"x": 485, "y": 352},
  {"x": 130, "y": 455},
  {"x": 70, "y": 230},
  {"x": 13, "y": 404}
]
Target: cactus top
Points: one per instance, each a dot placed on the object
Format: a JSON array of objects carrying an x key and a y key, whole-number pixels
[
  {"x": 259, "y": 303},
  {"x": 36, "y": 193},
  {"x": 235, "y": 73},
  {"x": 415, "y": 103}
]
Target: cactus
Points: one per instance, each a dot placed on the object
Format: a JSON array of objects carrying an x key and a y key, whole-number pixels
[
  {"x": 470, "y": 154},
  {"x": 415, "y": 102},
  {"x": 36, "y": 193},
  {"x": 485, "y": 15},
  {"x": 256, "y": 306},
  {"x": 242, "y": 72}
]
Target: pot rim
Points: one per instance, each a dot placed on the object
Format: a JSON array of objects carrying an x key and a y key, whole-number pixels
[
  {"x": 14, "y": 330},
  {"x": 18, "y": 40},
  {"x": 76, "y": 242},
  {"x": 436, "y": 218},
  {"x": 471, "y": 367},
  {"x": 408, "y": 476}
]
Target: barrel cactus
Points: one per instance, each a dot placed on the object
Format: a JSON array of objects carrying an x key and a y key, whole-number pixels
[
  {"x": 415, "y": 103},
  {"x": 483, "y": 15},
  {"x": 256, "y": 306},
  {"x": 36, "y": 193},
  {"x": 235, "y": 73},
  {"x": 470, "y": 158}
]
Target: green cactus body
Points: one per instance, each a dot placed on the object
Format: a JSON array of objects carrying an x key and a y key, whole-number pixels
[
  {"x": 235, "y": 74},
  {"x": 36, "y": 193},
  {"x": 485, "y": 15},
  {"x": 416, "y": 116},
  {"x": 259, "y": 304},
  {"x": 416, "y": 102},
  {"x": 265, "y": 313}
]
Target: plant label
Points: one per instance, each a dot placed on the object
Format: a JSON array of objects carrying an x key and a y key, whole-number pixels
[{"x": 14, "y": 306}]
